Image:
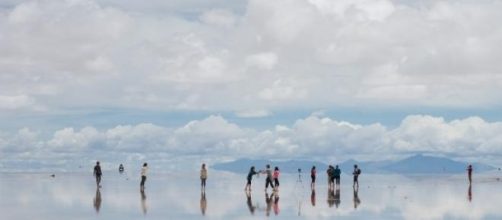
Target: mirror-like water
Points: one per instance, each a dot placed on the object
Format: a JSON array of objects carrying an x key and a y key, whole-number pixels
[{"x": 178, "y": 196}]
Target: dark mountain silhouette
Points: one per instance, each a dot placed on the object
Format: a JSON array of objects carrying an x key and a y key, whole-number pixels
[
  {"x": 429, "y": 164},
  {"x": 414, "y": 165},
  {"x": 290, "y": 166}
]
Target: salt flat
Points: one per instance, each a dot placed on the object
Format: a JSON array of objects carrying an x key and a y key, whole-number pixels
[{"x": 177, "y": 195}]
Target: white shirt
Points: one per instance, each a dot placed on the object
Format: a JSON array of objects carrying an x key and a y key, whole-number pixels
[{"x": 143, "y": 171}]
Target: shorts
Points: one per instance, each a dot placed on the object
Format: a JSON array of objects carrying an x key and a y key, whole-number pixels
[
  {"x": 249, "y": 181},
  {"x": 143, "y": 179},
  {"x": 313, "y": 178}
]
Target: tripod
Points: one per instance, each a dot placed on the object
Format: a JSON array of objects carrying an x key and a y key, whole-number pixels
[
  {"x": 299, "y": 180},
  {"x": 299, "y": 192}
]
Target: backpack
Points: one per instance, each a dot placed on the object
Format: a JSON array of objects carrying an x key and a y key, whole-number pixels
[
  {"x": 97, "y": 170},
  {"x": 358, "y": 171},
  {"x": 332, "y": 173},
  {"x": 337, "y": 172}
]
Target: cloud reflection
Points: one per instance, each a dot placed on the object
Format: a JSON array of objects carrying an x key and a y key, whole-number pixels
[{"x": 384, "y": 195}]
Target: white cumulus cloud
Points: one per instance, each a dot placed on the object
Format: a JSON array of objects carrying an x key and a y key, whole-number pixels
[{"x": 215, "y": 137}]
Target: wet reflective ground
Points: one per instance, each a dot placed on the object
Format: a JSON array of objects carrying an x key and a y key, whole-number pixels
[{"x": 178, "y": 196}]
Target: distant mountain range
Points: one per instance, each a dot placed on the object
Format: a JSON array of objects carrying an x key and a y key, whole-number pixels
[{"x": 416, "y": 164}]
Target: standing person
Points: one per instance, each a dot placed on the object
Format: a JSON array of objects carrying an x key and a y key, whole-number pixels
[
  {"x": 203, "y": 177},
  {"x": 356, "y": 174},
  {"x": 276, "y": 178},
  {"x": 337, "y": 173},
  {"x": 97, "y": 173},
  {"x": 313, "y": 174},
  {"x": 121, "y": 168},
  {"x": 144, "y": 170},
  {"x": 268, "y": 180},
  {"x": 330, "y": 176},
  {"x": 250, "y": 178},
  {"x": 469, "y": 173}
]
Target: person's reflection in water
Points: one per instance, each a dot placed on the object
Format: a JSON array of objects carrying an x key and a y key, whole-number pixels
[
  {"x": 97, "y": 200},
  {"x": 276, "y": 202},
  {"x": 299, "y": 200},
  {"x": 469, "y": 193},
  {"x": 312, "y": 198},
  {"x": 203, "y": 202},
  {"x": 337, "y": 197},
  {"x": 249, "y": 202},
  {"x": 357, "y": 201},
  {"x": 269, "y": 201},
  {"x": 143, "y": 201},
  {"x": 331, "y": 197}
]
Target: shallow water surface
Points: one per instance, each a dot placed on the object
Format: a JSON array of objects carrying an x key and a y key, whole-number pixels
[{"x": 178, "y": 196}]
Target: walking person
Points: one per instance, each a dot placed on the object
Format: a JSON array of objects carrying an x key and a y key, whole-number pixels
[
  {"x": 469, "y": 173},
  {"x": 336, "y": 174},
  {"x": 276, "y": 178},
  {"x": 356, "y": 174},
  {"x": 203, "y": 177},
  {"x": 313, "y": 174},
  {"x": 144, "y": 170},
  {"x": 268, "y": 180},
  {"x": 250, "y": 178},
  {"x": 97, "y": 173}
]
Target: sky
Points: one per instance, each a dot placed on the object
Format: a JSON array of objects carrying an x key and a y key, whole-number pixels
[{"x": 214, "y": 80}]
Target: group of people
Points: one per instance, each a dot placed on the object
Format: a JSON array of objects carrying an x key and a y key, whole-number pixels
[
  {"x": 272, "y": 177},
  {"x": 271, "y": 180},
  {"x": 333, "y": 174},
  {"x": 98, "y": 173}
]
